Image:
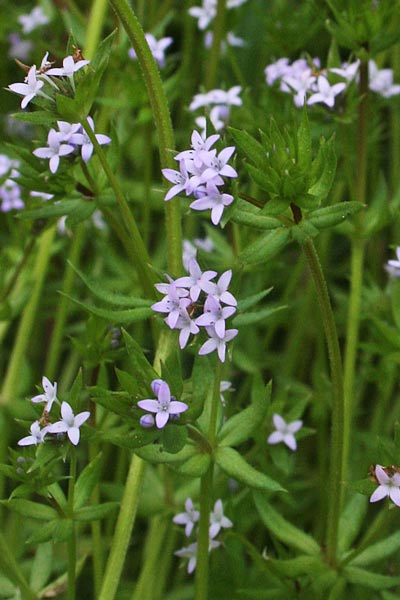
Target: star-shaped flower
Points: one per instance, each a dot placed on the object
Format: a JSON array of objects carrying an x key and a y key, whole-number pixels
[
  {"x": 29, "y": 89},
  {"x": 69, "y": 423},
  {"x": 49, "y": 396},
  {"x": 188, "y": 518},
  {"x": 37, "y": 435},
  {"x": 284, "y": 432},
  {"x": 218, "y": 520},
  {"x": 54, "y": 150},
  {"x": 326, "y": 93},
  {"x": 388, "y": 486},
  {"x": 164, "y": 407}
]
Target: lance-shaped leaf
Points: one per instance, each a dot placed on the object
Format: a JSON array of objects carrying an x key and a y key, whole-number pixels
[
  {"x": 255, "y": 220},
  {"x": 28, "y": 508},
  {"x": 250, "y": 301},
  {"x": 374, "y": 581},
  {"x": 119, "y": 317},
  {"x": 351, "y": 520},
  {"x": 155, "y": 453},
  {"x": 282, "y": 529},
  {"x": 42, "y": 566},
  {"x": 329, "y": 216},
  {"x": 250, "y": 147},
  {"x": 303, "y": 157},
  {"x": 240, "y": 427},
  {"x": 301, "y": 565},
  {"x": 141, "y": 368},
  {"x": 234, "y": 465},
  {"x": 95, "y": 512},
  {"x": 87, "y": 481},
  {"x": 196, "y": 466},
  {"x": 256, "y": 316},
  {"x": 378, "y": 551},
  {"x": 57, "y": 530},
  {"x": 265, "y": 247},
  {"x": 323, "y": 169},
  {"x": 173, "y": 438},
  {"x": 201, "y": 385}
]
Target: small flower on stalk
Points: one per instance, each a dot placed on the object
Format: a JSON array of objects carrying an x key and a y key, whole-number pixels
[
  {"x": 49, "y": 396},
  {"x": 388, "y": 486},
  {"x": 54, "y": 150},
  {"x": 68, "y": 69},
  {"x": 69, "y": 423},
  {"x": 284, "y": 432},
  {"x": 33, "y": 19},
  {"x": 29, "y": 89},
  {"x": 217, "y": 343},
  {"x": 37, "y": 435},
  {"x": 82, "y": 139},
  {"x": 218, "y": 520},
  {"x": 196, "y": 279},
  {"x": 157, "y": 48},
  {"x": 190, "y": 552},
  {"x": 188, "y": 518},
  {"x": 326, "y": 93},
  {"x": 165, "y": 406}
]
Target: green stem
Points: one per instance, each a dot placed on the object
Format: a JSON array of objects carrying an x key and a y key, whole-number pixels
[
  {"x": 72, "y": 539},
  {"x": 54, "y": 351},
  {"x": 162, "y": 121},
  {"x": 218, "y": 34},
  {"x": 95, "y": 26},
  {"x": 374, "y": 532},
  {"x": 142, "y": 261},
  {"x": 206, "y": 488},
  {"x": 123, "y": 530},
  {"x": 337, "y": 466},
  {"x": 18, "y": 269},
  {"x": 153, "y": 558},
  {"x": 28, "y": 319},
  {"x": 357, "y": 261}
]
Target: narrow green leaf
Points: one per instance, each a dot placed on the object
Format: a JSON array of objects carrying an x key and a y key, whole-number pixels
[
  {"x": 141, "y": 368},
  {"x": 196, "y": 466},
  {"x": 257, "y": 316},
  {"x": 329, "y": 216},
  {"x": 87, "y": 481},
  {"x": 378, "y": 551},
  {"x": 234, "y": 465},
  {"x": 201, "y": 384},
  {"x": 155, "y": 453},
  {"x": 250, "y": 147},
  {"x": 255, "y": 220},
  {"x": 351, "y": 520},
  {"x": 28, "y": 508},
  {"x": 173, "y": 438},
  {"x": 374, "y": 581},
  {"x": 265, "y": 247},
  {"x": 128, "y": 383},
  {"x": 95, "y": 512},
  {"x": 304, "y": 142},
  {"x": 326, "y": 167},
  {"x": 246, "y": 303},
  {"x": 301, "y": 565},
  {"x": 240, "y": 427},
  {"x": 37, "y": 117},
  {"x": 282, "y": 529},
  {"x": 119, "y": 317},
  {"x": 42, "y": 566}
]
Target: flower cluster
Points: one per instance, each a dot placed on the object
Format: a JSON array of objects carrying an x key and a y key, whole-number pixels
[
  {"x": 310, "y": 84},
  {"x": 69, "y": 423},
  {"x": 201, "y": 172},
  {"x": 389, "y": 485},
  {"x": 166, "y": 406},
  {"x": 10, "y": 192},
  {"x": 189, "y": 518},
  {"x": 284, "y": 432},
  {"x": 219, "y": 103},
  {"x": 157, "y": 48},
  {"x": 37, "y": 78},
  {"x": 196, "y": 301},
  {"x": 68, "y": 139}
]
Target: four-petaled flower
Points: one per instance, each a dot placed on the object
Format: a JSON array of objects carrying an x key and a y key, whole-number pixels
[
  {"x": 37, "y": 435},
  {"x": 54, "y": 150},
  {"x": 165, "y": 406},
  {"x": 69, "y": 423},
  {"x": 188, "y": 518},
  {"x": 29, "y": 89},
  {"x": 218, "y": 520},
  {"x": 49, "y": 396},
  {"x": 284, "y": 432},
  {"x": 388, "y": 486}
]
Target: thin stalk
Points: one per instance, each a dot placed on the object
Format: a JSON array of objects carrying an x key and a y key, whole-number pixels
[
  {"x": 54, "y": 351},
  {"x": 215, "y": 52},
  {"x": 162, "y": 119},
  {"x": 95, "y": 26},
  {"x": 18, "y": 269},
  {"x": 337, "y": 467},
  {"x": 71, "y": 571},
  {"x": 155, "y": 541},
  {"x": 11, "y": 568},
  {"x": 142, "y": 261},
  {"x": 357, "y": 261},
  {"x": 123, "y": 529},
  {"x": 28, "y": 319},
  {"x": 206, "y": 488}
]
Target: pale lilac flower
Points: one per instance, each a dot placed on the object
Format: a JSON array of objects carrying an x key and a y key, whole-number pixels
[
  {"x": 213, "y": 199},
  {"x": 186, "y": 326},
  {"x": 6, "y": 164},
  {"x": 180, "y": 179},
  {"x": 68, "y": 69},
  {"x": 19, "y": 48},
  {"x": 190, "y": 552},
  {"x": 300, "y": 85},
  {"x": 207, "y": 245},
  {"x": 284, "y": 432},
  {"x": 381, "y": 81},
  {"x": 37, "y": 435},
  {"x": 393, "y": 266},
  {"x": 67, "y": 130},
  {"x": 172, "y": 303},
  {"x": 188, "y": 518},
  {"x": 82, "y": 139},
  {"x": 157, "y": 48},
  {"x": 200, "y": 149},
  {"x": 196, "y": 279},
  {"x": 218, "y": 520},
  {"x": 70, "y": 423},
  {"x": 205, "y": 13},
  {"x": 164, "y": 407},
  {"x": 217, "y": 343},
  {"x": 54, "y": 150},
  {"x": 49, "y": 396},
  {"x": 33, "y": 19},
  {"x": 30, "y": 89},
  {"x": 234, "y": 3},
  {"x": 326, "y": 93},
  {"x": 217, "y": 165},
  {"x": 215, "y": 314},
  {"x": 217, "y": 96},
  {"x": 348, "y": 70},
  {"x": 189, "y": 251},
  {"x": 230, "y": 40},
  {"x": 10, "y": 196},
  {"x": 41, "y": 195},
  {"x": 388, "y": 486},
  {"x": 277, "y": 70},
  {"x": 220, "y": 289}
]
